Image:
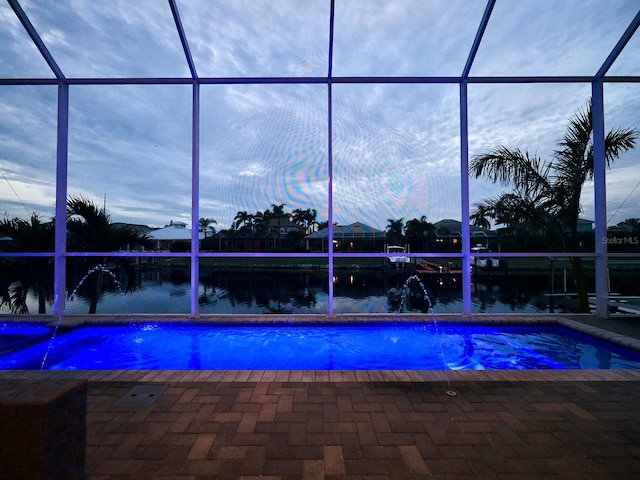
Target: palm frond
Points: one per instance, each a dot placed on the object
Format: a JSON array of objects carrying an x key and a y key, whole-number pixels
[
  {"x": 527, "y": 173},
  {"x": 618, "y": 141}
]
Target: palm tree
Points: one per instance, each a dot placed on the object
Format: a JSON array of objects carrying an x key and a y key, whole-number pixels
[
  {"x": 91, "y": 230},
  {"x": 298, "y": 216},
  {"x": 278, "y": 210},
  {"x": 278, "y": 213},
  {"x": 479, "y": 217},
  {"x": 546, "y": 194},
  {"x": 394, "y": 230},
  {"x": 203, "y": 225},
  {"x": 261, "y": 222},
  {"x": 305, "y": 218},
  {"x": 20, "y": 275},
  {"x": 418, "y": 232},
  {"x": 312, "y": 218},
  {"x": 242, "y": 218}
]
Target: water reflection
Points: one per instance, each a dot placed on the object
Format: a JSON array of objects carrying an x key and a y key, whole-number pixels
[
  {"x": 266, "y": 291},
  {"x": 262, "y": 291}
]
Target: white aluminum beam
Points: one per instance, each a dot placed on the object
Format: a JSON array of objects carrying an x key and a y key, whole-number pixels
[
  {"x": 600, "y": 200},
  {"x": 62, "y": 150}
]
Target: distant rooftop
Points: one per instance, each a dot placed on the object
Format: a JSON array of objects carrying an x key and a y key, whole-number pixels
[{"x": 355, "y": 230}]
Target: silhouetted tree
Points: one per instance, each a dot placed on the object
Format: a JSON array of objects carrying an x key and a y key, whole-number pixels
[
  {"x": 91, "y": 230},
  {"x": 394, "y": 230},
  {"x": 546, "y": 194},
  {"x": 418, "y": 233},
  {"x": 20, "y": 275},
  {"x": 204, "y": 224}
]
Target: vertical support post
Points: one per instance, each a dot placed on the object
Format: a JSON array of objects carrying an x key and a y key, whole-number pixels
[
  {"x": 330, "y": 195},
  {"x": 330, "y": 157},
  {"x": 464, "y": 189},
  {"x": 600, "y": 199},
  {"x": 195, "y": 197},
  {"x": 60, "y": 249}
]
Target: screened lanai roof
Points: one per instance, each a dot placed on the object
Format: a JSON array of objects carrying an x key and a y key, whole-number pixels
[
  {"x": 395, "y": 68},
  {"x": 285, "y": 38},
  {"x": 360, "y": 111}
]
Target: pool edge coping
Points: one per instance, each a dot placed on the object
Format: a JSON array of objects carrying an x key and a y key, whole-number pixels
[{"x": 452, "y": 377}]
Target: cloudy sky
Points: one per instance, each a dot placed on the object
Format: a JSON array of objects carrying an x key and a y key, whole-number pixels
[{"x": 396, "y": 147}]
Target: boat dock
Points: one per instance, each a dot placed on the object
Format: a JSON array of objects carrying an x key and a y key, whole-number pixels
[{"x": 425, "y": 267}]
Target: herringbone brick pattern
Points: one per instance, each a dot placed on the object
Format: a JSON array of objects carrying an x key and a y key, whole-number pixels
[{"x": 367, "y": 430}]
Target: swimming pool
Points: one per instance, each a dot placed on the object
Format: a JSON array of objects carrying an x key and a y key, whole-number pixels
[
  {"x": 14, "y": 336},
  {"x": 379, "y": 346}
]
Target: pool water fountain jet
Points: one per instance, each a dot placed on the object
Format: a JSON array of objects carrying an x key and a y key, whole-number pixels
[
  {"x": 405, "y": 293},
  {"x": 97, "y": 268}
]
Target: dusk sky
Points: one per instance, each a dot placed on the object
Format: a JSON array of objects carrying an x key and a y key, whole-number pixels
[{"x": 396, "y": 147}]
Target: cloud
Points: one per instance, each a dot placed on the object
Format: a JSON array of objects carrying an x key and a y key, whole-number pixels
[
  {"x": 127, "y": 39},
  {"x": 623, "y": 194},
  {"x": 404, "y": 37},
  {"x": 132, "y": 144},
  {"x": 573, "y": 37},
  {"x": 27, "y": 149},
  {"x": 529, "y": 117},
  {"x": 20, "y": 57},
  {"x": 392, "y": 152},
  {"x": 276, "y": 38},
  {"x": 396, "y": 148}
]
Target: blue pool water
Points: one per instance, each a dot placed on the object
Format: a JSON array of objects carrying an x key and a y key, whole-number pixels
[
  {"x": 317, "y": 347},
  {"x": 17, "y": 335}
]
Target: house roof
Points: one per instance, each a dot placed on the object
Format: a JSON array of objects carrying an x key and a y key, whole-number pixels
[
  {"x": 622, "y": 227},
  {"x": 172, "y": 232},
  {"x": 355, "y": 230},
  {"x": 449, "y": 226},
  {"x": 143, "y": 229},
  {"x": 282, "y": 222}
]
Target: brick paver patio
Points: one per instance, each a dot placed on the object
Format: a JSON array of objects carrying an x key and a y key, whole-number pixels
[
  {"x": 372, "y": 429},
  {"x": 503, "y": 424}
]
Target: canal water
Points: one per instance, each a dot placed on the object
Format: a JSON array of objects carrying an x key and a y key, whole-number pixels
[{"x": 243, "y": 291}]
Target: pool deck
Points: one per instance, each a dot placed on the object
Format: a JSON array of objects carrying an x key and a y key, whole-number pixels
[{"x": 503, "y": 424}]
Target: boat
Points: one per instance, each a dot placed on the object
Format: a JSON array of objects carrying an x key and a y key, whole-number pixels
[
  {"x": 400, "y": 259},
  {"x": 483, "y": 263}
]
